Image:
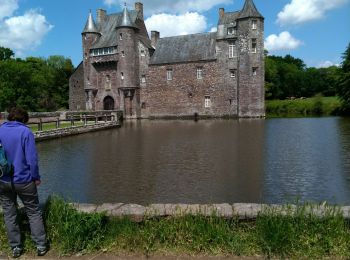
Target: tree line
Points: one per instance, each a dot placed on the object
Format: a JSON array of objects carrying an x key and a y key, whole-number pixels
[
  {"x": 40, "y": 84},
  {"x": 289, "y": 77},
  {"x": 36, "y": 84}
]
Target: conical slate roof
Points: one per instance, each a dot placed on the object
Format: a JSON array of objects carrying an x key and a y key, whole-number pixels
[
  {"x": 90, "y": 26},
  {"x": 249, "y": 10},
  {"x": 126, "y": 20}
]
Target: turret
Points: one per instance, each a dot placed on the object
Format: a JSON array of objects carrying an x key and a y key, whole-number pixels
[
  {"x": 128, "y": 64},
  {"x": 89, "y": 36},
  {"x": 126, "y": 40},
  {"x": 251, "y": 61},
  {"x": 249, "y": 11}
]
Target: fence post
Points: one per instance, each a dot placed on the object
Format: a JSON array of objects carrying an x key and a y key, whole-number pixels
[
  {"x": 72, "y": 121},
  {"x": 96, "y": 119},
  {"x": 85, "y": 120},
  {"x": 58, "y": 123},
  {"x": 106, "y": 118},
  {"x": 40, "y": 124}
]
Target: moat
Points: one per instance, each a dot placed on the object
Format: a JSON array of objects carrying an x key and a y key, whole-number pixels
[{"x": 209, "y": 161}]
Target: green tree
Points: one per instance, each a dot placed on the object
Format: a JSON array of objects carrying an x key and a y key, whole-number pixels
[
  {"x": 344, "y": 81},
  {"x": 6, "y": 53}
]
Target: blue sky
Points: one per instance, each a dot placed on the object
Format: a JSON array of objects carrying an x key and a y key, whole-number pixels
[{"x": 316, "y": 31}]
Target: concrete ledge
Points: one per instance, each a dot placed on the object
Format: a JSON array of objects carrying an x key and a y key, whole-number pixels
[
  {"x": 61, "y": 132},
  {"x": 243, "y": 211}
]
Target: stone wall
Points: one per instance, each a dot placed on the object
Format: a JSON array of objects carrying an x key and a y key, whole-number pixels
[
  {"x": 184, "y": 95},
  {"x": 243, "y": 211},
  {"x": 61, "y": 132},
  {"x": 76, "y": 89}
]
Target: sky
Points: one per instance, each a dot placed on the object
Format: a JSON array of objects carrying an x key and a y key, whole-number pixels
[{"x": 316, "y": 31}]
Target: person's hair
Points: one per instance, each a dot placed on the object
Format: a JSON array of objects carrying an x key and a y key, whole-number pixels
[{"x": 18, "y": 114}]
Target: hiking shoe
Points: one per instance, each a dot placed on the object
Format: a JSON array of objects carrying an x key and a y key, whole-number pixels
[
  {"x": 17, "y": 251},
  {"x": 41, "y": 251}
]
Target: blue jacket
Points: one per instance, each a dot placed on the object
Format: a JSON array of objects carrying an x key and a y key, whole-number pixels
[{"x": 19, "y": 144}]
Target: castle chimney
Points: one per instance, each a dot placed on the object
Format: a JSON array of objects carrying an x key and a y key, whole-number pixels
[
  {"x": 154, "y": 38},
  {"x": 139, "y": 8},
  {"x": 221, "y": 12},
  {"x": 101, "y": 15}
]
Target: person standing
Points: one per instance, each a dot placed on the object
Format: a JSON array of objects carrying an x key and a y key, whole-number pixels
[{"x": 19, "y": 145}]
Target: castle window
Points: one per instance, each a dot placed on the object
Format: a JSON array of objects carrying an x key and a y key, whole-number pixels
[
  {"x": 108, "y": 83},
  {"x": 120, "y": 36},
  {"x": 143, "y": 79},
  {"x": 254, "y": 24},
  {"x": 207, "y": 101},
  {"x": 142, "y": 52},
  {"x": 199, "y": 72},
  {"x": 254, "y": 71},
  {"x": 231, "y": 30},
  {"x": 231, "y": 48},
  {"x": 254, "y": 45},
  {"x": 122, "y": 75},
  {"x": 233, "y": 73},
  {"x": 123, "y": 54},
  {"x": 143, "y": 105},
  {"x": 169, "y": 74}
]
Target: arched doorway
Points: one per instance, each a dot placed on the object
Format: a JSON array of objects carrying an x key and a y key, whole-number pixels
[{"x": 108, "y": 103}]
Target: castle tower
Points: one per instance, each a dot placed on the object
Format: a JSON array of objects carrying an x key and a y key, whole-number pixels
[
  {"x": 128, "y": 65},
  {"x": 251, "y": 71},
  {"x": 89, "y": 35}
]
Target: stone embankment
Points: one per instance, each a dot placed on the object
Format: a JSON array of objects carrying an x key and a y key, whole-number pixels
[
  {"x": 61, "y": 132},
  {"x": 243, "y": 211}
]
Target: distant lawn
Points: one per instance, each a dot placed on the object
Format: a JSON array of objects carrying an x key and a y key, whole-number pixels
[
  {"x": 52, "y": 125},
  {"x": 315, "y": 106}
]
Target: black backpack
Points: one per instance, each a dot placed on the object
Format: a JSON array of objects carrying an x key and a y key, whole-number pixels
[{"x": 6, "y": 168}]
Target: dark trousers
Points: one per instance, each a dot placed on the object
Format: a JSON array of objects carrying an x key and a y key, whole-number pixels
[{"x": 28, "y": 194}]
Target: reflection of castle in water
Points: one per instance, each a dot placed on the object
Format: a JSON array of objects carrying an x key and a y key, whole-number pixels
[
  {"x": 209, "y": 74},
  {"x": 169, "y": 162}
]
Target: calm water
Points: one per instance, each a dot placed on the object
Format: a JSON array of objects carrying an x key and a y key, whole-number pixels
[{"x": 209, "y": 161}]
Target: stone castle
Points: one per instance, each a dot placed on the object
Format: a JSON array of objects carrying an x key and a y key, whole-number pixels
[{"x": 216, "y": 74}]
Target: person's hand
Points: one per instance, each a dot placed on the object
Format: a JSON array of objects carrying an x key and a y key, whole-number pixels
[{"x": 37, "y": 182}]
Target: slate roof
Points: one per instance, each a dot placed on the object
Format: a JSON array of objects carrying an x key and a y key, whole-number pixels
[
  {"x": 186, "y": 48},
  {"x": 126, "y": 20},
  {"x": 111, "y": 21},
  {"x": 228, "y": 17},
  {"x": 249, "y": 10},
  {"x": 90, "y": 26}
]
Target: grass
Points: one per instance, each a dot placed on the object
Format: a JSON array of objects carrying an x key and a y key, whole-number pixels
[
  {"x": 316, "y": 106},
  {"x": 52, "y": 125},
  {"x": 297, "y": 234}
]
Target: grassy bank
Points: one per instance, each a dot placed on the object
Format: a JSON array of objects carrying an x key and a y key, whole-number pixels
[
  {"x": 316, "y": 106},
  {"x": 295, "y": 235}
]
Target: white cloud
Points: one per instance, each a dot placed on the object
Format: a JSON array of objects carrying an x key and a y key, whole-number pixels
[
  {"x": 7, "y": 7},
  {"x": 300, "y": 11},
  {"x": 213, "y": 29},
  {"x": 327, "y": 63},
  {"x": 283, "y": 41},
  {"x": 171, "y": 6},
  {"x": 25, "y": 32},
  {"x": 171, "y": 25}
]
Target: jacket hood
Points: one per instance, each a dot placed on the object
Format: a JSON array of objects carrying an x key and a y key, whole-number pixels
[{"x": 13, "y": 124}]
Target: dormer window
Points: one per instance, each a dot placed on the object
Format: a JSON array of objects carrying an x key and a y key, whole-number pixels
[{"x": 231, "y": 30}]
